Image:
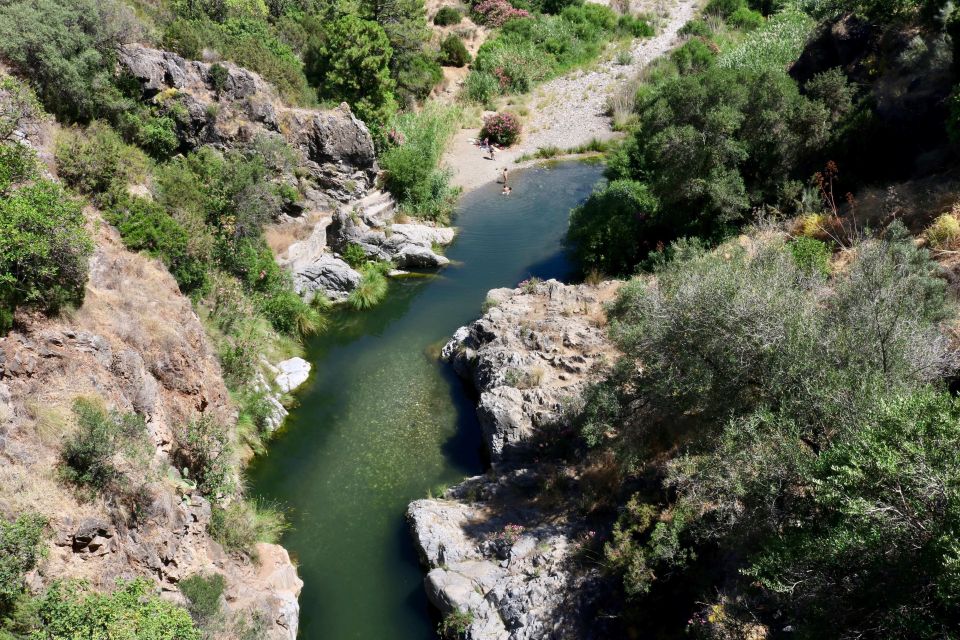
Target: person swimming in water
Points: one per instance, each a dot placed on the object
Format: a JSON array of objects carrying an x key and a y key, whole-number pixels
[{"x": 506, "y": 190}]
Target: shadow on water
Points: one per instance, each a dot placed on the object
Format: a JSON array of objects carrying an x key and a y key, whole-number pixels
[{"x": 381, "y": 422}]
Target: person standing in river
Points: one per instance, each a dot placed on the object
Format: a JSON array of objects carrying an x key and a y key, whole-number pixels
[{"x": 504, "y": 176}]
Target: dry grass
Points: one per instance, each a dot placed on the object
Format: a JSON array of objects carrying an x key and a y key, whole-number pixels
[{"x": 280, "y": 236}]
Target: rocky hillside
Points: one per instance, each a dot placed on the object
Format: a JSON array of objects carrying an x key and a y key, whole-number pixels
[
  {"x": 502, "y": 550},
  {"x": 137, "y": 345}
]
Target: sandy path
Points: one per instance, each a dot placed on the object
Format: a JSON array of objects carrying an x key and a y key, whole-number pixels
[{"x": 567, "y": 111}]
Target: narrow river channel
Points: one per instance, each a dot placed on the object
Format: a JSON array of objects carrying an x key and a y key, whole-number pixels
[{"x": 381, "y": 422}]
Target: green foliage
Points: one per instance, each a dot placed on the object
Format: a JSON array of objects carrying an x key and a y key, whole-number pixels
[
  {"x": 43, "y": 249},
  {"x": 530, "y": 50},
  {"x": 693, "y": 57},
  {"x": 352, "y": 63},
  {"x": 69, "y": 610},
  {"x": 218, "y": 77},
  {"x": 354, "y": 255},
  {"x": 21, "y": 547},
  {"x": 67, "y": 50},
  {"x": 411, "y": 169},
  {"x": 453, "y": 53},
  {"x": 792, "y": 406},
  {"x": 713, "y": 144},
  {"x": 746, "y": 19},
  {"x": 774, "y": 46},
  {"x": 724, "y": 8},
  {"x": 18, "y": 106},
  {"x": 606, "y": 229},
  {"x": 371, "y": 290},
  {"x": 416, "y": 75},
  {"x": 447, "y": 16},
  {"x": 481, "y": 87},
  {"x": 241, "y": 524},
  {"x": 811, "y": 256},
  {"x": 89, "y": 455},
  {"x": 455, "y": 624},
  {"x": 203, "y": 592},
  {"x": 95, "y": 161},
  {"x": 204, "y": 449},
  {"x": 696, "y": 28}
]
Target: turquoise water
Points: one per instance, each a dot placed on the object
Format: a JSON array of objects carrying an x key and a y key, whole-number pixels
[{"x": 381, "y": 422}]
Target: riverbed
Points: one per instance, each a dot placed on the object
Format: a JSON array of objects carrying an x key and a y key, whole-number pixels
[{"x": 382, "y": 422}]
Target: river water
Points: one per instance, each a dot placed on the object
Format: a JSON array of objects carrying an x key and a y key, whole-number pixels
[{"x": 382, "y": 423}]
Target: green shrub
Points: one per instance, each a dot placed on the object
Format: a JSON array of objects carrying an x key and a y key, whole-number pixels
[
  {"x": 453, "y": 53},
  {"x": 18, "y": 163},
  {"x": 218, "y": 76},
  {"x": 411, "y": 170},
  {"x": 96, "y": 161},
  {"x": 289, "y": 314},
  {"x": 944, "y": 231},
  {"x": 482, "y": 88},
  {"x": 746, "y": 19},
  {"x": 607, "y": 229},
  {"x": 371, "y": 290},
  {"x": 70, "y": 610},
  {"x": 774, "y": 46},
  {"x": 447, "y": 16},
  {"x": 21, "y": 547},
  {"x": 203, "y": 592},
  {"x": 352, "y": 64},
  {"x": 67, "y": 49},
  {"x": 811, "y": 256},
  {"x": 354, "y": 255},
  {"x": 724, "y": 8},
  {"x": 635, "y": 27},
  {"x": 416, "y": 75},
  {"x": 693, "y": 57},
  {"x": 240, "y": 525},
  {"x": 89, "y": 456},
  {"x": 697, "y": 29},
  {"x": 44, "y": 249},
  {"x": 205, "y": 450},
  {"x": 455, "y": 625}
]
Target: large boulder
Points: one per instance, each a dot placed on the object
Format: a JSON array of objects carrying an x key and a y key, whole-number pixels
[
  {"x": 328, "y": 275},
  {"x": 334, "y": 147},
  {"x": 408, "y": 246}
]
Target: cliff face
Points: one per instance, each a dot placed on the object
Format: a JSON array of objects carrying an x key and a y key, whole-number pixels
[
  {"x": 236, "y": 106},
  {"x": 502, "y": 548},
  {"x": 137, "y": 345}
]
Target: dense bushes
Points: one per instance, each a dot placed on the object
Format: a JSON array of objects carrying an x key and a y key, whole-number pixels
[
  {"x": 711, "y": 145},
  {"x": 453, "y": 53},
  {"x": 203, "y": 593},
  {"x": 71, "y": 610},
  {"x": 241, "y": 524},
  {"x": 21, "y": 547},
  {"x": 67, "y": 51},
  {"x": 411, "y": 167},
  {"x": 790, "y": 407},
  {"x": 352, "y": 64},
  {"x": 44, "y": 249},
  {"x": 447, "y": 16},
  {"x": 529, "y": 50}
]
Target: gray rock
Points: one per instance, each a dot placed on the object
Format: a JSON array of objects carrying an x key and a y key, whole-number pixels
[
  {"x": 410, "y": 248},
  {"x": 328, "y": 275},
  {"x": 293, "y": 373}
]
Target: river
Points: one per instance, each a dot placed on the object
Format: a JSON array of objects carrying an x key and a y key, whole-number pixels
[{"x": 382, "y": 422}]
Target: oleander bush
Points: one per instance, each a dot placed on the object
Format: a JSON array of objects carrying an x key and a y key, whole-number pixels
[{"x": 501, "y": 128}]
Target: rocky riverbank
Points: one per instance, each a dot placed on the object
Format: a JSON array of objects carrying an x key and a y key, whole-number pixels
[{"x": 500, "y": 549}]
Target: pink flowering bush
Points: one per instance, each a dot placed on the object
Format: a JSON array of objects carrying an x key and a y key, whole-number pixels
[
  {"x": 494, "y": 13},
  {"x": 502, "y": 129}
]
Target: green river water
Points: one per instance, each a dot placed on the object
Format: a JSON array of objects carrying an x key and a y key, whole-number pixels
[{"x": 381, "y": 422}]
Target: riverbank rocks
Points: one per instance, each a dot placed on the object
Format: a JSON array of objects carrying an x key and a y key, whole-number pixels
[
  {"x": 292, "y": 373},
  {"x": 408, "y": 246},
  {"x": 532, "y": 351},
  {"x": 334, "y": 148},
  {"x": 327, "y": 275},
  {"x": 493, "y": 546}
]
